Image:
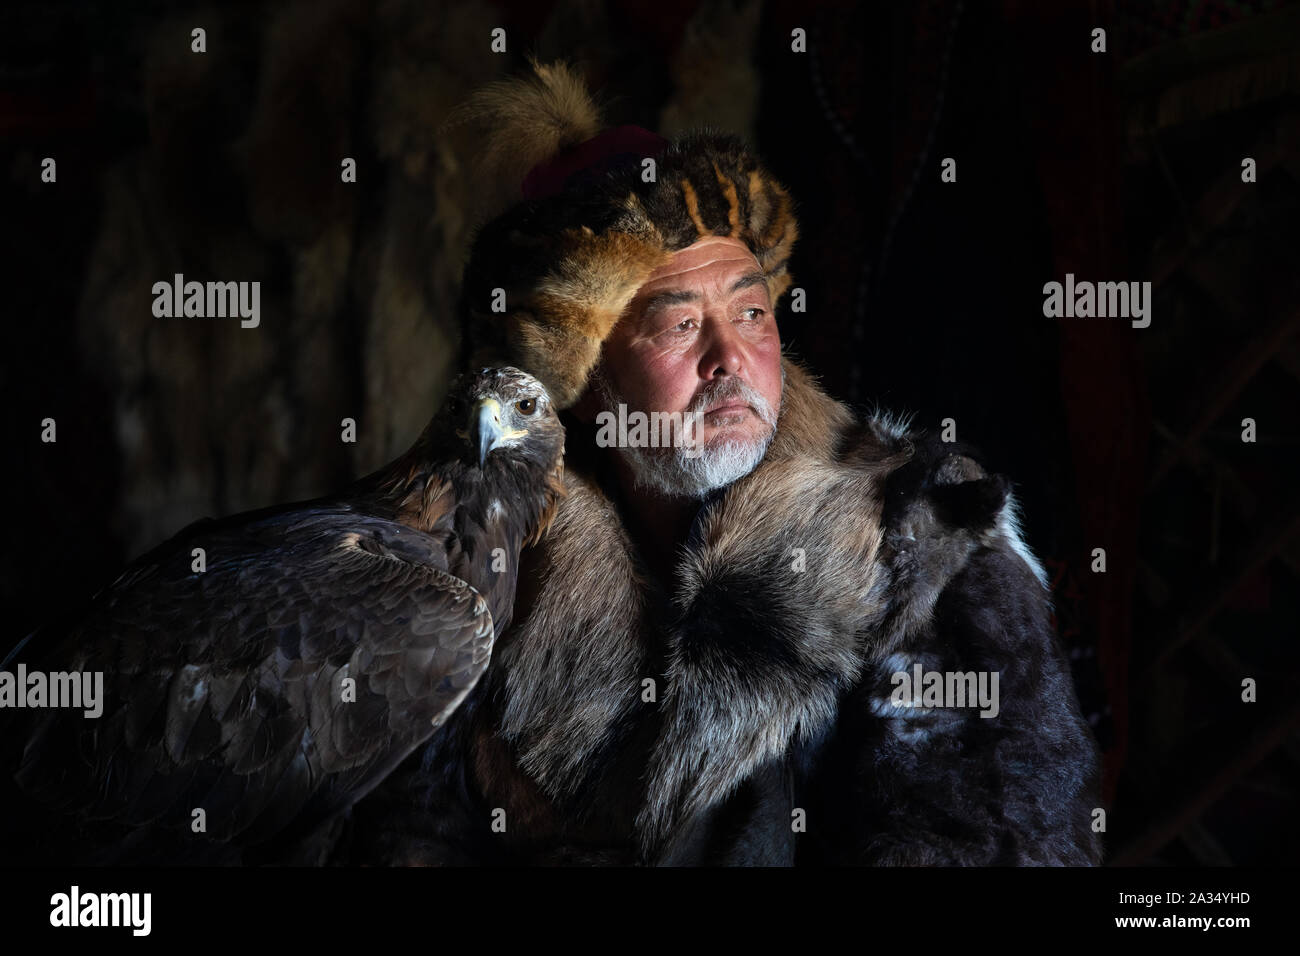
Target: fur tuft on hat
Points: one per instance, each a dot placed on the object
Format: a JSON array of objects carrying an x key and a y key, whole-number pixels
[
  {"x": 526, "y": 120},
  {"x": 548, "y": 279}
]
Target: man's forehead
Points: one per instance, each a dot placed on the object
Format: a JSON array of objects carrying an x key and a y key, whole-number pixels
[{"x": 710, "y": 257}]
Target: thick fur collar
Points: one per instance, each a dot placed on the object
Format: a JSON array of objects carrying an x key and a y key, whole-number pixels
[
  {"x": 802, "y": 588},
  {"x": 795, "y": 541},
  {"x": 777, "y": 591}
]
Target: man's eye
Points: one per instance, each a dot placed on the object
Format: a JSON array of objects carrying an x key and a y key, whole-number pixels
[
  {"x": 757, "y": 313},
  {"x": 527, "y": 405},
  {"x": 684, "y": 325}
]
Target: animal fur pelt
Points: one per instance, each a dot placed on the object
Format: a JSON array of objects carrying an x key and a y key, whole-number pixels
[
  {"x": 904, "y": 784},
  {"x": 768, "y": 662},
  {"x": 764, "y": 663},
  {"x": 776, "y": 592}
]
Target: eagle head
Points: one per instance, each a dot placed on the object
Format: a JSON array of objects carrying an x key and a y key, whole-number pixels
[
  {"x": 505, "y": 411},
  {"x": 510, "y": 432}
]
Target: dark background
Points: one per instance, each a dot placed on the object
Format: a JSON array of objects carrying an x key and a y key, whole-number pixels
[{"x": 923, "y": 297}]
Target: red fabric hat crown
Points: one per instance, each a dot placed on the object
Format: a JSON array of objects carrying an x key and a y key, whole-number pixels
[{"x": 607, "y": 150}]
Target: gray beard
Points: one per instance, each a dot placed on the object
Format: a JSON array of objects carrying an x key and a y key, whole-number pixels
[{"x": 682, "y": 472}]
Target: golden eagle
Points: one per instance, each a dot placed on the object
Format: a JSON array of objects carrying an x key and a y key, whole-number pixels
[{"x": 254, "y": 690}]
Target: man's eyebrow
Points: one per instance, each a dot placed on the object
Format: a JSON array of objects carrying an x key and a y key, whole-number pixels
[
  {"x": 747, "y": 280},
  {"x": 677, "y": 296}
]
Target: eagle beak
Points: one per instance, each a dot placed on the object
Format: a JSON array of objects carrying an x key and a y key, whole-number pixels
[{"x": 485, "y": 426}]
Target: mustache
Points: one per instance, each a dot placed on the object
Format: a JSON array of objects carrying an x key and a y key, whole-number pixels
[
  {"x": 718, "y": 390},
  {"x": 733, "y": 387}
]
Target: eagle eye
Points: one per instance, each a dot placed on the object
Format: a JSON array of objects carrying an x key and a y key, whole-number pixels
[{"x": 527, "y": 405}]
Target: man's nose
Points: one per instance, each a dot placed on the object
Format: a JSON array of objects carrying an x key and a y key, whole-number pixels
[{"x": 722, "y": 349}]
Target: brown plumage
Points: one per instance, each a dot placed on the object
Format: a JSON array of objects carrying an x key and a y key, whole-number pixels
[{"x": 227, "y": 689}]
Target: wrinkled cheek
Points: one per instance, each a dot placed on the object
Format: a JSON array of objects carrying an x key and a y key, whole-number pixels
[
  {"x": 767, "y": 357},
  {"x": 672, "y": 379},
  {"x": 767, "y": 348}
]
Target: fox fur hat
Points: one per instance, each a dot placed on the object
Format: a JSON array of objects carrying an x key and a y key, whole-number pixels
[{"x": 590, "y": 229}]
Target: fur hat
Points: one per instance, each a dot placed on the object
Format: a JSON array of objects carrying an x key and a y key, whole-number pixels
[{"x": 589, "y": 231}]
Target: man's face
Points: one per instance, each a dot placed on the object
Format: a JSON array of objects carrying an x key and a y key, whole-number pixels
[{"x": 700, "y": 337}]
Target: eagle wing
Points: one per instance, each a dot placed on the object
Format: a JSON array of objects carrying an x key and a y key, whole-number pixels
[{"x": 272, "y": 690}]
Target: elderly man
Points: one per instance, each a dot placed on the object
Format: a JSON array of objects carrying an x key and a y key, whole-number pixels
[
  {"x": 710, "y": 647},
  {"x": 700, "y": 337}
]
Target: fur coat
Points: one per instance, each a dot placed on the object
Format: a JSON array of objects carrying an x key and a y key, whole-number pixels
[{"x": 751, "y": 716}]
